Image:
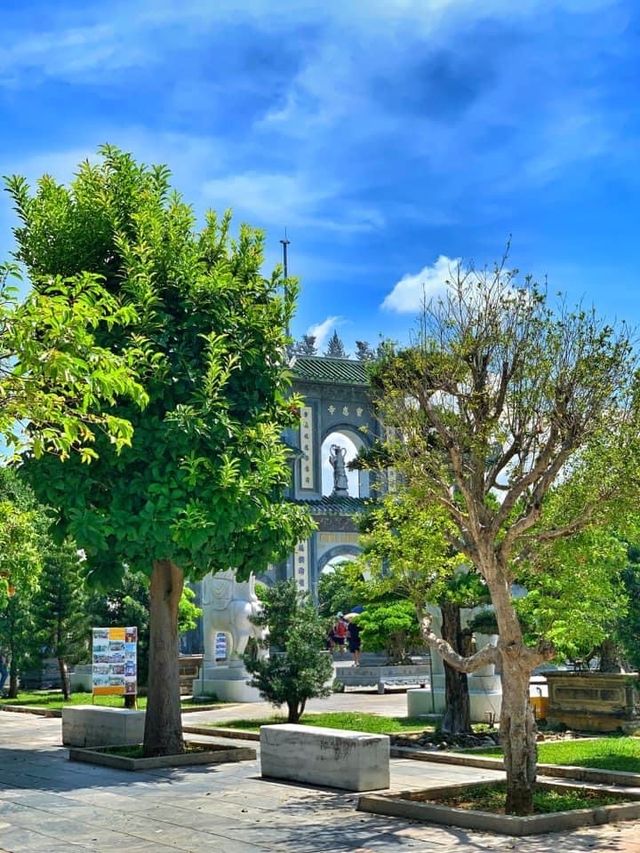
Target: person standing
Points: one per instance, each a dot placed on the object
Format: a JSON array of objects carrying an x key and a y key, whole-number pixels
[
  {"x": 4, "y": 670},
  {"x": 340, "y": 630},
  {"x": 353, "y": 637}
]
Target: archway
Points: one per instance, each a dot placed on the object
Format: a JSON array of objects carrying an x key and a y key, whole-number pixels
[{"x": 349, "y": 440}]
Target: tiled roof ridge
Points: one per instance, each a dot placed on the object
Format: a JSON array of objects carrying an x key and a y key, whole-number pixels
[{"x": 321, "y": 368}]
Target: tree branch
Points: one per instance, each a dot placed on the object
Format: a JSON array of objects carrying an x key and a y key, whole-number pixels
[{"x": 487, "y": 655}]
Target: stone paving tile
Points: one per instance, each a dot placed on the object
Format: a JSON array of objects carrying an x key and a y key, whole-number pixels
[{"x": 227, "y": 808}]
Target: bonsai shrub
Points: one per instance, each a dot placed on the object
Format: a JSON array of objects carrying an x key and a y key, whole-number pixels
[
  {"x": 392, "y": 627},
  {"x": 297, "y": 667}
]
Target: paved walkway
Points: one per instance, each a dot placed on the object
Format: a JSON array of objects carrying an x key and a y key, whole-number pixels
[
  {"x": 391, "y": 705},
  {"x": 51, "y": 805}
]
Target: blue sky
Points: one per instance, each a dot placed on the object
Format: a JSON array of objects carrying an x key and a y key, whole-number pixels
[{"x": 389, "y": 136}]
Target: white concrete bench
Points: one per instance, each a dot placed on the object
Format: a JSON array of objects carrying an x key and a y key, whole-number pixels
[
  {"x": 354, "y": 761},
  {"x": 415, "y": 675},
  {"x": 91, "y": 725}
]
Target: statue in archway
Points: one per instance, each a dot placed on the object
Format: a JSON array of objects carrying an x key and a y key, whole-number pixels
[{"x": 340, "y": 482}]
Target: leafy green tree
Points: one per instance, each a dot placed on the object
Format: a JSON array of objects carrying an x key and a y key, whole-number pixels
[
  {"x": 627, "y": 629},
  {"x": 200, "y": 488},
  {"x": 53, "y": 371},
  {"x": 502, "y": 393},
  {"x": 306, "y": 346},
  {"x": 364, "y": 351},
  {"x": 23, "y": 542},
  {"x": 338, "y": 591},
  {"x": 407, "y": 554},
  {"x": 390, "y": 626},
  {"x": 59, "y": 609},
  {"x": 298, "y": 667}
]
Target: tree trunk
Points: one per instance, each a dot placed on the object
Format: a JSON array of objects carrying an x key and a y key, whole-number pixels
[
  {"x": 163, "y": 724},
  {"x": 295, "y": 711},
  {"x": 13, "y": 679},
  {"x": 457, "y": 719},
  {"x": 609, "y": 657},
  {"x": 64, "y": 678},
  {"x": 518, "y": 731}
]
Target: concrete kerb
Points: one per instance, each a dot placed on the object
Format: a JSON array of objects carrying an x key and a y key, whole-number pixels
[
  {"x": 215, "y": 754},
  {"x": 217, "y": 731},
  {"x": 563, "y": 771},
  {"x": 409, "y": 804},
  {"x": 36, "y": 711}
]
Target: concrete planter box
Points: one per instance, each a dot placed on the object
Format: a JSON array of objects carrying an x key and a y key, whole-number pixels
[
  {"x": 215, "y": 754},
  {"x": 92, "y": 725},
  {"x": 412, "y": 805},
  {"x": 594, "y": 701},
  {"x": 353, "y": 761},
  {"x": 557, "y": 771}
]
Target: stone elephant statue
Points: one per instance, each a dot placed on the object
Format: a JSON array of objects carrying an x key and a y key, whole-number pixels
[{"x": 227, "y": 607}]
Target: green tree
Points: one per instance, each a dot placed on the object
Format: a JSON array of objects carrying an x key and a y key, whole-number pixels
[
  {"x": 626, "y": 633},
  {"x": 298, "y": 667},
  {"x": 504, "y": 394},
  {"x": 53, "y": 371},
  {"x": 306, "y": 346},
  {"x": 364, "y": 351},
  {"x": 390, "y": 626},
  {"x": 338, "y": 591},
  {"x": 59, "y": 609},
  {"x": 335, "y": 347},
  {"x": 407, "y": 554},
  {"x": 200, "y": 488},
  {"x": 23, "y": 542}
]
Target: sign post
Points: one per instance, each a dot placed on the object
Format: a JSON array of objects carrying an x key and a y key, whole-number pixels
[{"x": 114, "y": 664}]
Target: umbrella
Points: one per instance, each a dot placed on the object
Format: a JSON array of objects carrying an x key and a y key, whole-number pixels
[{"x": 350, "y": 616}]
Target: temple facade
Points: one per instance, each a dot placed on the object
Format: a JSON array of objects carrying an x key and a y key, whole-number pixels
[{"x": 337, "y": 420}]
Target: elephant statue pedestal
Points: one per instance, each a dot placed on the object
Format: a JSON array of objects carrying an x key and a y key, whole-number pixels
[
  {"x": 227, "y": 681},
  {"x": 227, "y": 608}
]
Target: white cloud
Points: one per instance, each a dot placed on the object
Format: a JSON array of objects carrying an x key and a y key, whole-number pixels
[
  {"x": 290, "y": 200},
  {"x": 410, "y": 293},
  {"x": 320, "y": 331}
]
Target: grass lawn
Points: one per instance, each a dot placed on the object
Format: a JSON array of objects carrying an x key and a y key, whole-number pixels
[
  {"x": 53, "y": 699},
  {"x": 606, "y": 753},
  {"x": 359, "y": 722},
  {"x": 491, "y": 798}
]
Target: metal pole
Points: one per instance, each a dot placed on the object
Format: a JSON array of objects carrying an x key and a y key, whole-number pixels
[{"x": 285, "y": 265}]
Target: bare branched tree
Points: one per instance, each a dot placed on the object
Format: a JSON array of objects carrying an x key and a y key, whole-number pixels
[{"x": 520, "y": 420}]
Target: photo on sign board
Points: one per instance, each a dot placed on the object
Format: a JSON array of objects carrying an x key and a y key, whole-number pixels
[
  {"x": 130, "y": 635},
  {"x": 116, "y": 646},
  {"x": 101, "y": 659},
  {"x": 130, "y": 685},
  {"x": 100, "y": 633},
  {"x": 130, "y": 648}
]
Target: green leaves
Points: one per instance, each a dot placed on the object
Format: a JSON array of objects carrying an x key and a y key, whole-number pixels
[
  {"x": 53, "y": 372},
  {"x": 298, "y": 667},
  {"x": 201, "y": 468}
]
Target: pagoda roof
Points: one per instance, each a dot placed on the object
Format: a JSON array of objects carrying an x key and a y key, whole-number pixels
[
  {"x": 335, "y": 506},
  {"x": 340, "y": 371}
]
